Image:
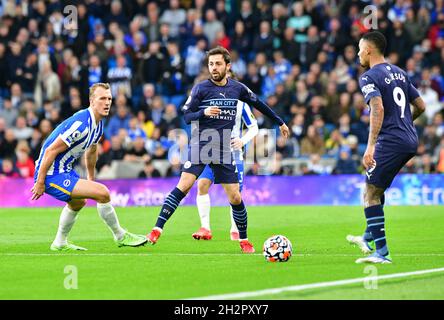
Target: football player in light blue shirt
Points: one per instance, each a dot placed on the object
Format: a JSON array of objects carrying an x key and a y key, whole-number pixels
[{"x": 54, "y": 175}]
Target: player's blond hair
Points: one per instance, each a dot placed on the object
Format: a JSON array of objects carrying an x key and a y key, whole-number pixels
[{"x": 93, "y": 88}]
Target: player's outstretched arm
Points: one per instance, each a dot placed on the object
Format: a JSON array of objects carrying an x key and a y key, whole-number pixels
[
  {"x": 91, "y": 160},
  {"x": 418, "y": 107},
  {"x": 48, "y": 158},
  {"x": 250, "y": 98},
  {"x": 376, "y": 119}
]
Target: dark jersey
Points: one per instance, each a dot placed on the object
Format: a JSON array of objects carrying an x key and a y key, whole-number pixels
[
  {"x": 397, "y": 92},
  {"x": 214, "y": 132}
]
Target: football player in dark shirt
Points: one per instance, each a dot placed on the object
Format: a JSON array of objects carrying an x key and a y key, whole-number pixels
[
  {"x": 211, "y": 110},
  {"x": 392, "y": 138}
]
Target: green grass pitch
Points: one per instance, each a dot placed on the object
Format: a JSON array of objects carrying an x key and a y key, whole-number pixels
[{"x": 179, "y": 267}]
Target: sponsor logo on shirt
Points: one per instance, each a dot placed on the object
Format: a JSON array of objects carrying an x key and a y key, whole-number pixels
[{"x": 367, "y": 89}]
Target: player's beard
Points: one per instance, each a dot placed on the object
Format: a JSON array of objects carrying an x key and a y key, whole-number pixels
[{"x": 219, "y": 76}]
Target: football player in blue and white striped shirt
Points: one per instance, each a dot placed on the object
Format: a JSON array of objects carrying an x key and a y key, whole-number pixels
[
  {"x": 54, "y": 175},
  {"x": 206, "y": 179}
]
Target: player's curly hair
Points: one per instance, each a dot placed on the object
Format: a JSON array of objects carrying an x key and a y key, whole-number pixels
[
  {"x": 377, "y": 38},
  {"x": 220, "y": 50},
  {"x": 93, "y": 88}
]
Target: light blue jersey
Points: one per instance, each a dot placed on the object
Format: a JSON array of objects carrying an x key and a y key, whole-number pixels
[{"x": 79, "y": 132}]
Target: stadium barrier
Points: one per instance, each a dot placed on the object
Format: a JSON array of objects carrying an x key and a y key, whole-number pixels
[{"x": 407, "y": 189}]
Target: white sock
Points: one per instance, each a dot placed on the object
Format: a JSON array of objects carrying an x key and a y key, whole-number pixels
[
  {"x": 67, "y": 219},
  {"x": 203, "y": 206},
  {"x": 233, "y": 224},
  {"x": 108, "y": 214}
]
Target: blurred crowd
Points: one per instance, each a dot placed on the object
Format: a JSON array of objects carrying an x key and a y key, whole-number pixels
[{"x": 298, "y": 56}]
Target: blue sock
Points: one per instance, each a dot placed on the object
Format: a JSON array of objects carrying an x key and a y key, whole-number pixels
[
  {"x": 376, "y": 226},
  {"x": 169, "y": 206},
  {"x": 240, "y": 218}
]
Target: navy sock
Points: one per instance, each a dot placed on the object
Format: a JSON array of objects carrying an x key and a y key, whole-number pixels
[
  {"x": 376, "y": 226},
  {"x": 240, "y": 218},
  {"x": 169, "y": 206},
  {"x": 367, "y": 234}
]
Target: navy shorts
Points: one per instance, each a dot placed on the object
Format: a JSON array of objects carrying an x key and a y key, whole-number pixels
[
  {"x": 208, "y": 174},
  {"x": 223, "y": 173},
  {"x": 388, "y": 164}
]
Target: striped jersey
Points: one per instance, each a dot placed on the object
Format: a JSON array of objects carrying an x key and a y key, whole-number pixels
[
  {"x": 243, "y": 115},
  {"x": 79, "y": 132}
]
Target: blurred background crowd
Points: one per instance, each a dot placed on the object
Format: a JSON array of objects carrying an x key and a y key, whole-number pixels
[{"x": 299, "y": 56}]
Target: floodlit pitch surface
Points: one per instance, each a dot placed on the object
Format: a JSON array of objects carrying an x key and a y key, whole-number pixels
[{"x": 179, "y": 267}]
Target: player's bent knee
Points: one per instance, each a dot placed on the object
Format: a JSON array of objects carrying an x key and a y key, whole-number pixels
[
  {"x": 77, "y": 205},
  {"x": 186, "y": 182},
  {"x": 103, "y": 194},
  {"x": 203, "y": 185},
  {"x": 235, "y": 198}
]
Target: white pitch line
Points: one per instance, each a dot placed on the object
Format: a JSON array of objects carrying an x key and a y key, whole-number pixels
[
  {"x": 63, "y": 254},
  {"x": 249, "y": 294}
]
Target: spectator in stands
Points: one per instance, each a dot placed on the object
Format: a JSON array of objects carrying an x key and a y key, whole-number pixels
[
  {"x": 298, "y": 127},
  {"x": 312, "y": 143},
  {"x": 170, "y": 120},
  {"x": 26, "y": 75},
  {"x": 151, "y": 24},
  {"x": 253, "y": 79},
  {"x": 135, "y": 130},
  {"x": 153, "y": 64},
  {"x": 431, "y": 99},
  {"x": 2, "y": 129},
  {"x": 425, "y": 165},
  {"x": 149, "y": 92},
  {"x": 115, "y": 152},
  {"x": 8, "y": 170},
  {"x": 156, "y": 112},
  {"x": 4, "y": 69},
  {"x": 120, "y": 120},
  {"x": 116, "y": 14},
  {"x": 137, "y": 152},
  {"x": 195, "y": 56},
  {"x": 299, "y": 22},
  {"x": 263, "y": 41},
  {"x": 7, "y": 146},
  {"x": 315, "y": 165},
  {"x": 334, "y": 143},
  {"x": 45, "y": 128},
  {"x": 241, "y": 41},
  {"x": 270, "y": 82},
  {"x": 345, "y": 164},
  {"x": 430, "y": 139},
  {"x": 24, "y": 162},
  {"x": 8, "y": 112},
  {"x": 211, "y": 26},
  {"x": 35, "y": 143},
  {"x": 173, "y": 76},
  {"x": 286, "y": 148},
  {"x": 149, "y": 171},
  {"x": 174, "y": 16},
  {"x": 119, "y": 77},
  {"x": 21, "y": 130}
]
